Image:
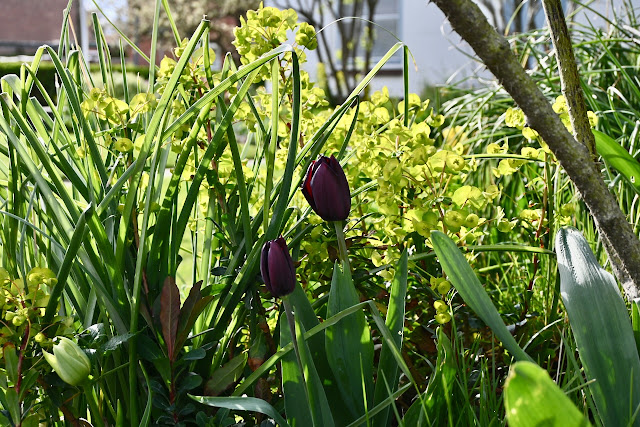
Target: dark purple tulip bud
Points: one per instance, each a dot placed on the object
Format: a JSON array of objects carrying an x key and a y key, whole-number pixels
[
  {"x": 327, "y": 190},
  {"x": 277, "y": 268}
]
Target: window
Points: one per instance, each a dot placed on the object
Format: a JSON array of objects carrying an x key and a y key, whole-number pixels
[{"x": 387, "y": 16}]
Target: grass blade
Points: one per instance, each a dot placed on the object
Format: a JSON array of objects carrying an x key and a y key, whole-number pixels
[{"x": 470, "y": 289}]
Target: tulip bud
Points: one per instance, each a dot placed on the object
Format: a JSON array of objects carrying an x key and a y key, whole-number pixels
[
  {"x": 327, "y": 190},
  {"x": 69, "y": 361},
  {"x": 277, "y": 268}
]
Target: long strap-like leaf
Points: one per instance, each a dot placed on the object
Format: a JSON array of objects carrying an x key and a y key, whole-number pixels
[{"x": 602, "y": 328}]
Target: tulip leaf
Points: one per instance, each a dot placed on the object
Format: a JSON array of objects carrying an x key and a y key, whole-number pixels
[
  {"x": 387, "y": 379},
  {"x": 532, "y": 399},
  {"x": 470, "y": 289},
  {"x": 295, "y": 398},
  {"x": 304, "y": 313},
  {"x": 615, "y": 155},
  {"x": 169, "y": 314},
  {"x": 600, "y": 323},
  {"x": 301, "y": 412},
  {"x": 251, "y": 404},
  {"x": 348, "y": 344}
]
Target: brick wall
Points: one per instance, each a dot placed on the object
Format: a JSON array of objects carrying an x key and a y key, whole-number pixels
[{"x": 27, "y": 24}]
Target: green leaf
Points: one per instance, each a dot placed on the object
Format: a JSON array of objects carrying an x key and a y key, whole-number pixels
[
  {"x": 468, "y": 286},
  {"x": 65, "y": 268},
  {"x": 300, "y": 411},
  {"x": 242, "y": 404},
  {"x": 116, "y": 342},
  {"x": 296, "y": 407},
  {"x": 615, "y": 155},
  {"x": 348, "y": 344},
  {"x": 13, "y": 403},
  {"x": 387, "y": 379},
  {"x": 198, "y": 308},
  {"x": 146, "y": 415},
  {"x": 532, "y": 399},
  {"x": 635, "y": 321},
  {"x": 11, "y": 363},
  {"x": 600, "y": 323},
  {"x": 223, "y": 377}
]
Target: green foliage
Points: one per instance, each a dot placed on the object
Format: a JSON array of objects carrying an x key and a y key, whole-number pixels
[
  {"x": 532, "y": 399},
  {"x": 149, "y": 208},
  {"x": 603, "y": 331},
  {"x": 46, "y": 75}
]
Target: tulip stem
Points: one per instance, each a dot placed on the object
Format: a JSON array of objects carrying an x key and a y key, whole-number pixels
[
  {"x": 342, "y": 243},
  {"x": 294, "y": 332}
]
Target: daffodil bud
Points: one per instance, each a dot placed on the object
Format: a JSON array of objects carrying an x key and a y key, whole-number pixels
[{"x": 69, "y": 361}]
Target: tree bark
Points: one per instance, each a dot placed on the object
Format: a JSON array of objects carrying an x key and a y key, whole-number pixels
[
  {"x": 469, "y": 22},
  {"x": 569, "y": 77},
  {"x": 574, "y": 97}
]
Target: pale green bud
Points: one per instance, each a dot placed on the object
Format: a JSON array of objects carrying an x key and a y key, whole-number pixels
[{"x": 69, "y": 361}]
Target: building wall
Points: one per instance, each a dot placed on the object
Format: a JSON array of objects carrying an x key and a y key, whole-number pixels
[
  {"x": 438, "y": 52},
  {"x": 27, "y": 24}
]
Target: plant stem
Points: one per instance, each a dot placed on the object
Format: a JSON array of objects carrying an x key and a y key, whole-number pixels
[
  {"x": 574, "y": 97},
  {"x": 342, "y": 244},
  {"x": 96, "y": 417},
  {"x": 294, "y": 339},
  {"x": 569, "y": 76}
]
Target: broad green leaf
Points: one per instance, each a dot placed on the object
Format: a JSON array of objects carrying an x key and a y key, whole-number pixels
[
  {"x": 348, "y": 344},
  {"x": 300, "y": 411},
  {"x": 387, "y": 379},
  {"x": 600, "y": 323},
  {"x": 11, "y": 363},
  {"x": 305, "y": 314},
  {"x": 532, "y": 399},
  {"x": 251, "y": 404},
  {"x": 295, "y": 396},
  {"x": 470, "y": 289},
  {"x": 615, "y": 155}
]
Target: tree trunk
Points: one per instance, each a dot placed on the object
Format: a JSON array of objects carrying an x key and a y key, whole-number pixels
[{"x": 468, "y": 21}]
